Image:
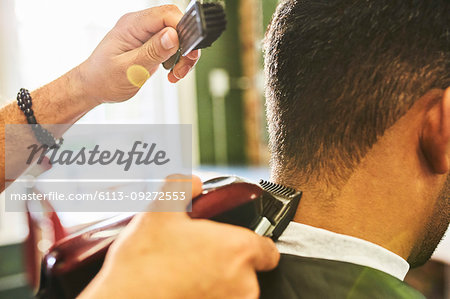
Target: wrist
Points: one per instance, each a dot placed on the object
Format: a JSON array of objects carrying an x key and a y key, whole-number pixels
[
  {"x": 79, "y": 90},
  {"x": 62, "y": 101}
]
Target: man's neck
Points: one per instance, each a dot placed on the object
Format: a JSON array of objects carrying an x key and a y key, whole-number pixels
[
  {"x": 384, "y": 198},
  {"x": 390, "y": 198},
  {"x": 358, "y": 220}
]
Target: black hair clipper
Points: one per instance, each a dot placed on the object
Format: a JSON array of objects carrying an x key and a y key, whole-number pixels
[
  {"x": 266, "y": 208},
  {"x": 201, "y": 25}
]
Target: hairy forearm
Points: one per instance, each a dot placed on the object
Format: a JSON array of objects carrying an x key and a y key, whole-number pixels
[
  {"x": 146, "y": 38},
  {"x": 62, "y": 101}
]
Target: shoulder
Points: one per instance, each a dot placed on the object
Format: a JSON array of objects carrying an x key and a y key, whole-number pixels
[{"x": 301, "y": 277}]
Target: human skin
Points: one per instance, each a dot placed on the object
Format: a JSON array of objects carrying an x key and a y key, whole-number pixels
[
  {"x": 173, "y": 256},
  {"x": 145, "y": 38},
  {"x": 162, "y": 255},
  {"x": 398, "y": 195}
]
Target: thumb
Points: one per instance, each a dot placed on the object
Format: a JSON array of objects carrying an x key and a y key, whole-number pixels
[
  {"x": 177, "y": 193},
  {"x": 184, "y": 186},
  {"x": 265, "y": 255},
  {"x": 158, "y": 48}
]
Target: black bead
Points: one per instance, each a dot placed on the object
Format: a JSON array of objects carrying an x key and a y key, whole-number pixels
[
  {"x": 43, "y": 136},
  {"x": 31, "y": 119},
  {"x": 49, "y": 140}
]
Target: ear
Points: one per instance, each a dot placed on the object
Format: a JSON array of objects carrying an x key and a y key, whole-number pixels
[{"x": 435, "y": 138}]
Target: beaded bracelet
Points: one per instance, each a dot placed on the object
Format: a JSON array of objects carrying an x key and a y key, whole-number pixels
[{"x": 42, "y": 135}]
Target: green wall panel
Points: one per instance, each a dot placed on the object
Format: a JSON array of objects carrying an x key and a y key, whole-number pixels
[{"x": 225, "y": 54}]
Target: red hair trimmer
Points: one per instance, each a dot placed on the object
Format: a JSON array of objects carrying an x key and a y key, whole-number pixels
[{"x": 266, "y": 208}]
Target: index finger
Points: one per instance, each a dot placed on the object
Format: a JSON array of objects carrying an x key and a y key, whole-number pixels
[{"x": 143, "y": 24}]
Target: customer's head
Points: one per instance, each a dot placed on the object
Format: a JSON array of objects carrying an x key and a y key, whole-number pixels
[{"x": 340, "y": 73}]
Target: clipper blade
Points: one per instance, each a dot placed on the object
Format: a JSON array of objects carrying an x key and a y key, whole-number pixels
[
  {"x": 277, "y": 189},
  {"x": 279, "y": 205}
]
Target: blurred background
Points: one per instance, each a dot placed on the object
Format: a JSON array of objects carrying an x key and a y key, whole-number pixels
[{"x": 222, "y": 99}]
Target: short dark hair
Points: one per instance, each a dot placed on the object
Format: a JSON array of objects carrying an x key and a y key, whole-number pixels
[{"x": 340, "y": 72}]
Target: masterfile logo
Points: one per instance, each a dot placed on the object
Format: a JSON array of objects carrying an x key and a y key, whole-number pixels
[
  {"x": 99, "y": 168},
  {"x": 141, "y": 153}
]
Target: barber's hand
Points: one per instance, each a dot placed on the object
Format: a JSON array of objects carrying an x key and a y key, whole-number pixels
[
  {"x": 131, "y": 52},
  {"x": 169, "y": 255}
]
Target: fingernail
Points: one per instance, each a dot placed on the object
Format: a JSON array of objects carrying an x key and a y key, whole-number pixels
[
  {"x": 167, "y": 42},
  {"x": 183, "y": 71},
  {"x": 193, "y": 54}
]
